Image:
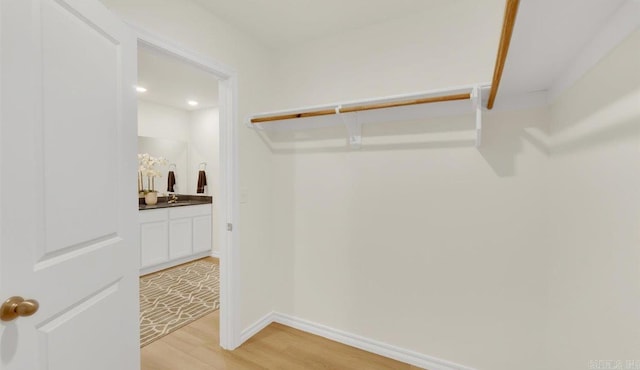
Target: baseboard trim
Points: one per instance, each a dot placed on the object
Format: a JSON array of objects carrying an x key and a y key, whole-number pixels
[
  {"x": 256, "y": 327},
  {"x": 353, "y": 340},
  {"x": 178, "y": 261},
  {"x": 215, "y": 254}
]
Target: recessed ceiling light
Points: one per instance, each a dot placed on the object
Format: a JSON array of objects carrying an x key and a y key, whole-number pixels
[
  {"x": 192, "y": 103},
  {"x": 140, "y": 89}
]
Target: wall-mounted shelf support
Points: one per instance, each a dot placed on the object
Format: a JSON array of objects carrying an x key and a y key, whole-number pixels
[
  {"x": 354, "y": 128},
  {"x": 476, "y": 99},
  {"x": 353, "y": 115}
]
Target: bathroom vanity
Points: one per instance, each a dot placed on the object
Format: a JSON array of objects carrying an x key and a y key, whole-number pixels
[{"x": 174, "y": 233}]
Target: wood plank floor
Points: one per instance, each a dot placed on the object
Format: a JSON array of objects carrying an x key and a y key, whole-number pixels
[
  {"x": 196, "y": 347},
  {"x": 277, "y": 347}
]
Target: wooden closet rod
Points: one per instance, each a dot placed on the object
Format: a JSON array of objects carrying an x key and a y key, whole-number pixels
[
  {"x": 511, "y": 10},
  {"x": 508, "y": 24},
  {"x": 364, "y": 107}
]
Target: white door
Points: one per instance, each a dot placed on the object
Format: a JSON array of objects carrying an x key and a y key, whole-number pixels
[{"x": 68, "y": 186}]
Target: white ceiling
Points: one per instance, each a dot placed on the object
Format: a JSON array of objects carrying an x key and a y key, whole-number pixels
[
  {"x": 548, "y": 36},
  {"x": 285, "y": 23},
  {"x": 172, "y": 82}
]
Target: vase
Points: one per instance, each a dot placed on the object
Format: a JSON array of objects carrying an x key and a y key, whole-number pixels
[{"x": 151, "y": 198}]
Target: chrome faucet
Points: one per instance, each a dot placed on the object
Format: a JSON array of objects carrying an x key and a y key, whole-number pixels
[{"x": 172, "y": 199}]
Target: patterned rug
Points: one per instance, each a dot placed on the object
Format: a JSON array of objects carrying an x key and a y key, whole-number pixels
[{"x": 173, "y": 298}]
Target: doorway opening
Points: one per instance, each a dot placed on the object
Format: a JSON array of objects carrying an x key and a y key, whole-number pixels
[{"x": 187, "y": 110}]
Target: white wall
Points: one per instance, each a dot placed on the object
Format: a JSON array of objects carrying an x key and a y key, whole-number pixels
[
  {"x": 420, "y": 240},
  {"x": 594, "y": 297},
  {"x": 194, "y": 28},
  {"x": 450, "y": 46}
]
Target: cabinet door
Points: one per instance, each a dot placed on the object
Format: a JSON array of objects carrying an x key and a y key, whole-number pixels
[
  {"x": 202, "y": 234},
  {"x": 154, "y": 248},
  {"x": 180, "y": 238}
]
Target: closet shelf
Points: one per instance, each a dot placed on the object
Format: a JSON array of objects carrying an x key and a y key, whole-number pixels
[
  {"x": 453, "y": 101},
  {"x": 353, "y": 114}
]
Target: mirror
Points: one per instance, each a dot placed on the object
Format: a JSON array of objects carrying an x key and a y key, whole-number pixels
[{"x": 176, "y": 153}]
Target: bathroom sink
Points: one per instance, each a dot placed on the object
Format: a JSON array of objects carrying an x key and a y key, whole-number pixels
[
  {"x": 181, "y": 203},
  {"x": 185, "y": 203}
]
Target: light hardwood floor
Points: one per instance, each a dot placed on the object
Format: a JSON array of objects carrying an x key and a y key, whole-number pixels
[{"x": 277, "y": 347}]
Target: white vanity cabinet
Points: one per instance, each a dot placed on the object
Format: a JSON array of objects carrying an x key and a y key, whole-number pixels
[
  {"x": 202, "y": 233},
  {"x": 180, "y": 238},
  {"x": 154, "y": 237},
  {"x": 174, "y": 235}
]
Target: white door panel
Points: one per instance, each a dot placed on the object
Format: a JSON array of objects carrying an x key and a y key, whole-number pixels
[
  {"x": 77, "y": 328},
  {"x": 80, "y": 104},
  {"x": 68, "y": 207}
]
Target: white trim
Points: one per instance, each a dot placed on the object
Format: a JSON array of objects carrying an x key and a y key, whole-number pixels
[
  {"x": 622, "y": 23},
  {"x": 220, "y": 70},
  {"x": 176, "y": 262},
  {"x": 254, "y": 329},
  {"x": 353, "y": 340},
  {"x": 215, "y": 254},
  {"x": 228, "y": 209},
  {"x": 227, "y": 201}
]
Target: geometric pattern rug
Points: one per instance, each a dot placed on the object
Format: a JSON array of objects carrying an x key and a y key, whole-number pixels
[{"x": 171, "y": 299}]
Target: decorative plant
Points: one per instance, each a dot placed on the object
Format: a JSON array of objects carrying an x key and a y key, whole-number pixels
[{"x": 147, "y": 168}]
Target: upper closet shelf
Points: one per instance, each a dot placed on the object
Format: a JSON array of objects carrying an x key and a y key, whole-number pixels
[
  {"x": 460, "y": 100},
  {"x": 455, "y": 101}
]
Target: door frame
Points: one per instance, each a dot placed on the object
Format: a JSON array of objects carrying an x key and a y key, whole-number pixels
[{"x": 227, "y": 201}]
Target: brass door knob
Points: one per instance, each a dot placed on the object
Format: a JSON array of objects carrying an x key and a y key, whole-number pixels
[{"x": 14, "y": 307}]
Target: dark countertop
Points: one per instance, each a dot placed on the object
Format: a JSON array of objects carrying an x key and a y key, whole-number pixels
[{"x": 183, "y": 200}]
